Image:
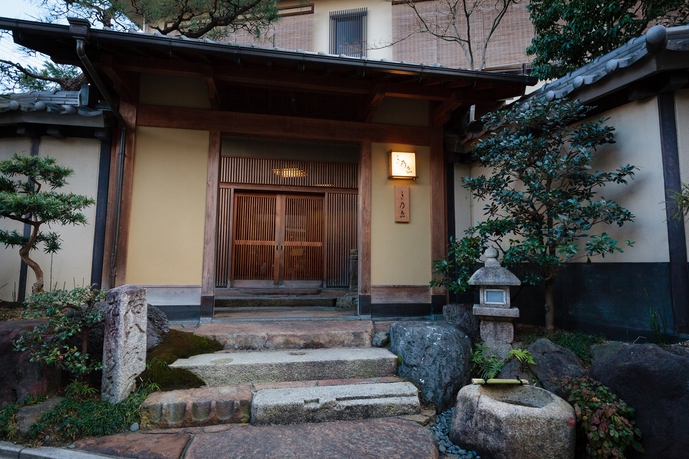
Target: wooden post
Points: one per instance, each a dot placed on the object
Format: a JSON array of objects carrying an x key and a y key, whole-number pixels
[
  {"x": 365, "y": 229},
  {"x": 208, "y": 276}
]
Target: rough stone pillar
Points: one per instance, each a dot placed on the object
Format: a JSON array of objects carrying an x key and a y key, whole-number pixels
[{"x": 124, "y": 347}]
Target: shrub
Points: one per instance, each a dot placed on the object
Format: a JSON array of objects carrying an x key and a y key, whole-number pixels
[
  {"x": 488, "y": 365},
  {"x": 63, "y": 340},
  {"x": 80, "y": 416},
  {"x": 604, "y": 422}
]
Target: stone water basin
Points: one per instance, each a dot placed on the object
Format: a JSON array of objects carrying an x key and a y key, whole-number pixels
[{"x": 513, "y": 422}]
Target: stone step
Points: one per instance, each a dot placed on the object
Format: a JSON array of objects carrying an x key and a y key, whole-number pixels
[
  {"x": 222, "y": 304},
  {"x": 225, "y": 368},
  {"x": 197, "y": 407},
  {"x": 208, "y": 406},
  {"x": 333, "y": 403},
  {"x": 303, "y": 334}
]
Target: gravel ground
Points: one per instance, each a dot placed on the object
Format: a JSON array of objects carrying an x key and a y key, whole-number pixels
[{"x": 440, "y": 429}]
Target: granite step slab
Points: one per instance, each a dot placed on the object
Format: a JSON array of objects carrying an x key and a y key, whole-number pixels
[
  {"x": 333, "y": 403},
  {"x": 240, "y": 336},
  {"x": 222, "y": 368},
  {"x": 197, "y": 407}
]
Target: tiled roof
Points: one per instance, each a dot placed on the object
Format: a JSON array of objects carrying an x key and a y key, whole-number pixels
[
  {"x": 56, "y": 102},
  {"x": 626, "y": 58}
]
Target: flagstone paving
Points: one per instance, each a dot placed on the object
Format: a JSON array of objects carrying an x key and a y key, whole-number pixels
[{"x": 382, "y": 438}]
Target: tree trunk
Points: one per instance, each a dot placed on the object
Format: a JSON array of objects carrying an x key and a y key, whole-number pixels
[
  {"x": 24, "y": 254},
  {"x": 549, "y": 306}
]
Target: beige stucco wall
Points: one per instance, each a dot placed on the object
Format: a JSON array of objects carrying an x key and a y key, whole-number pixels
[
  {"x": 379, "y": 25},
  {"x": 637, "y": 136},
  {"x": 72, "y": 264},
  {"x": 400, "y": 252},
  {"x": 173, "y": 91},
  {"x": 168, "y": 207},
  {"x": 682, "y": 109}
]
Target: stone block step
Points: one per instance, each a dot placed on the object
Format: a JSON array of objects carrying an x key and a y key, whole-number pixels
[
  {"x": 333, "y": 403},
  {"x": 222, "y": 304},
  {"x": 288, "y": 335},
  {"x": 197, "y": 407},
  {"x": 225, "y": 368}
]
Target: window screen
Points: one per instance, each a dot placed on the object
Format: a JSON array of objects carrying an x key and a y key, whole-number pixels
[{"x": 348, "y": 32}]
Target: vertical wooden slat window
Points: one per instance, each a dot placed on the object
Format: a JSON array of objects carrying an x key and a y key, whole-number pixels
[
  {"x": 223, "y": 256},
  {"x": 348, "y": 32},
  {"x": 254, "y": 240},
  {"x": 303, "y": 238},
  {"x": 340, "y": 237}
]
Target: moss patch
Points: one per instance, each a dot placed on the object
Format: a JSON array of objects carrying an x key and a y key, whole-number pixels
[{"x": 176, "y": 345}]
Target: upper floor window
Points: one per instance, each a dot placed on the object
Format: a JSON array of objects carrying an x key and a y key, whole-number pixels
[{"x": 348, "y": 32}]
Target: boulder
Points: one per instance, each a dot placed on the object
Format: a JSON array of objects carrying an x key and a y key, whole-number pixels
[
  {"x": 552, "y": 363},
  {"x": 602, "y": 351},
  {"x": 434, "y": 356},
  {"x": 380, "y": 339},
  {"x": 462, "y": 317},
  {"x": 655, "y": 382},
  {"x": 156, "y": 328},
  {"x": 513, "y": 422},
  {"x": 22, "y": 378},
  {"x": 514, "y": 370}
]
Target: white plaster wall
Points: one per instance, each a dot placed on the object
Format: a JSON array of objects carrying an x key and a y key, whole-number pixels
[
  {"x": 682, "y": 113},
  {"x": 72, "y": 264},
  {"x": 463, "y": 202},
  {"x": 637, "y": 136},
  {"x": 378, "y": 27},
  {"x": 10, "y": 262}
]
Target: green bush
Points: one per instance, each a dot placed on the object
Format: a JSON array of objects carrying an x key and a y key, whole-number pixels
[
  {"x": 488, "y": 365},
  {"x": 605, "y": 426},
  {"x": 63, "y": 340},
  {"x": 80, "y": 416}
]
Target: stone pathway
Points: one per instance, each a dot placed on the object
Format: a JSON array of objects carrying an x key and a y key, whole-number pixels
[{"x": 382, "y": 438}]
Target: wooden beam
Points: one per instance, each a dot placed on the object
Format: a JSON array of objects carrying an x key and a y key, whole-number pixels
[
  {"x": 365, "y": 164},
  {"x": 438, "y": 197},
  {"x": 283, "y": 127},
  {"x": 108, "y": 282},
  {"x": 441, "y": 114},
  {"x": 123, "y": 88},
  {"x": 265, "y": 77},
  {"x": 213, "y": 95},
  {"x": 129, "y": 113},
  {"x": 371, "y": 106},
  {"x": 212, "y": 177}
]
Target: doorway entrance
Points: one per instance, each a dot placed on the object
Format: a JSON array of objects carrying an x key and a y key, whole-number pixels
[{"x": 278, "y": 240}]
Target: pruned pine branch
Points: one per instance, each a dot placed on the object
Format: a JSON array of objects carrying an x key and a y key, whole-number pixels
[
  {"x": 29, "y": 78},
  {"x": 194, "y": 19}
]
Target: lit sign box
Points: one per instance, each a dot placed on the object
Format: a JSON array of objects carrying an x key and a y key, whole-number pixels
[{"x": 402, "y": 165}]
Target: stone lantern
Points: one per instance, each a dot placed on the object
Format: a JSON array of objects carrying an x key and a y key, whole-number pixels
[{"x": 494, "y": 311}]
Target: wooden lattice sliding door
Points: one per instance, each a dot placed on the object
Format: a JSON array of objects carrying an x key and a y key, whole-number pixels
[
  {"x": 293, "y": 236},
  {"x": 255, "y": 240}
]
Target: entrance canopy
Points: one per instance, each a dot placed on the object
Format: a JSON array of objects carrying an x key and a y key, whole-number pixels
[{"x": 244, "y": 78}]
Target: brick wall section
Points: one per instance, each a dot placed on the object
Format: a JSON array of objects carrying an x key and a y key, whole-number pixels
[
  {"x": 507, "y": 45},
  {"x": 291, "y": 32}
]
